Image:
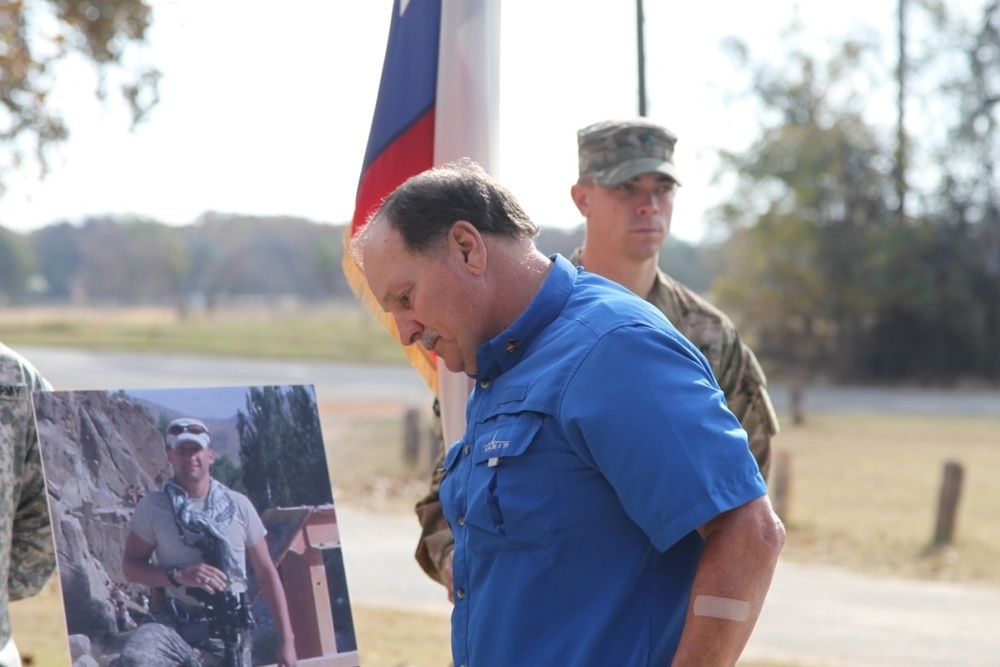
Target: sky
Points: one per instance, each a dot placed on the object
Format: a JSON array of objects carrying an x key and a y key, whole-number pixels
[
  {"x": 203, "y": 402},
  {"x": 265, "y": 107}
]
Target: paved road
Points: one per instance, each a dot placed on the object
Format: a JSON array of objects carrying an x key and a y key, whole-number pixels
[
  {"x": 831, "y": 617},
  {"x": 348, "y": 383},
  {"x": 361, "y": 383},
  {"x": 815, "y": 616},
  {"x": 900, "y": 401}
]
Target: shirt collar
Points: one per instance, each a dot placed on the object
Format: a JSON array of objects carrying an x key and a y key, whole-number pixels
[{"x": 506, "y": 350}]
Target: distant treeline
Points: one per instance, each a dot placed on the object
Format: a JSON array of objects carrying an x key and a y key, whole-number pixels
[
  {"x": 217, "y": 260},
  {"x": 919, "y": 303}
]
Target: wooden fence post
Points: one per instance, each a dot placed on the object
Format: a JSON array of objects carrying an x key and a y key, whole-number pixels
[
  {"x": 411, "y": 438},
  {"x": 951, "y": 492},
  {"x": 798, "y": 410}
]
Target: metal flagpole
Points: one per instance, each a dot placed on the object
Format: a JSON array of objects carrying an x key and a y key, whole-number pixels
[{"x": 640, "y": 41}]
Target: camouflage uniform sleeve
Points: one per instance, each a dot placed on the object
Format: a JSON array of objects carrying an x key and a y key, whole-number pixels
[
  {"x": 747, "y": 397},
  {"x": 436, "y": 541},
  {"x": 32, "y": 553},
  {"x": 735, "y": 365},
  {"x": 27, "y": 554}
]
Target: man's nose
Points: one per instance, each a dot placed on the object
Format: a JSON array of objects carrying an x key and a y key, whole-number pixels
[
  {"x": 646, "y": 203},
  {"x": 409, "y": 330}
]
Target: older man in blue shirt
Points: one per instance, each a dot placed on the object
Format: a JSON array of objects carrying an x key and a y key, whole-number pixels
[{"x": 605, "y": 506}]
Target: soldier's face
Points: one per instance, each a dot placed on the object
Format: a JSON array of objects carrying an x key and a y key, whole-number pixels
[
  {"x": 630, "y": 220},
  {"x": 191, "y": 462}
]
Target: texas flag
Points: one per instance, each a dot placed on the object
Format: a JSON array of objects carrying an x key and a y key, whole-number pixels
[{"x": 437, "y": 102}]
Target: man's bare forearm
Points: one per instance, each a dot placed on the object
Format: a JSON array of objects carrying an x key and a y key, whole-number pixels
[{"x": 730, "y": 585}]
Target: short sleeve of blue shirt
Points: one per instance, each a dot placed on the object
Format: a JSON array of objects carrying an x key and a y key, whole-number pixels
[{"x": 644, "y": 409}]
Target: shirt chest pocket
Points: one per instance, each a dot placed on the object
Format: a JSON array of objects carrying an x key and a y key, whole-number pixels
[{"x": 512, "y": 501}]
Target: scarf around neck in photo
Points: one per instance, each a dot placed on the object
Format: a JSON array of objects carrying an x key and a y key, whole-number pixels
[{"x": 204, "y": 529}]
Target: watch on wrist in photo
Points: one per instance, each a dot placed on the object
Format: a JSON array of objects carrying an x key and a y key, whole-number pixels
[{"x": 172, "y": 576}]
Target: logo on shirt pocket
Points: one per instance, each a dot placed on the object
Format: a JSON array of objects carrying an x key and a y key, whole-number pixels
[{"x": 512, "y": 492}]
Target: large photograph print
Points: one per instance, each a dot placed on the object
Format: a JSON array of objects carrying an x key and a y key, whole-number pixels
[{"x": 195, "y": 527}]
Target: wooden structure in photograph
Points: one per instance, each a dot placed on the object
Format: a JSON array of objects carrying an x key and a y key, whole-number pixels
[{"x": 305, "y": 545}]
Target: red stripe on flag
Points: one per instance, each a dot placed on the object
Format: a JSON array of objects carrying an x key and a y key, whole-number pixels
[
  {"x": 409, "y": 154},
  {"x": 442, "y": 55}
]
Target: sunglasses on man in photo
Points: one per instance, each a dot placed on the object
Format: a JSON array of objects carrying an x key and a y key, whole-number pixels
[{"x": 177, "y": 429}]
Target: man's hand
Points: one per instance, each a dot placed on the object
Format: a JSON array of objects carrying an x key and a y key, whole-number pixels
[{"x": 202, "y": 576}]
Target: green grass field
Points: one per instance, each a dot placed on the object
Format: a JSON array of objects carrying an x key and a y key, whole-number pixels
[
  {"x": 863, "y": 494},
  {"x": 329, "y": 332}
]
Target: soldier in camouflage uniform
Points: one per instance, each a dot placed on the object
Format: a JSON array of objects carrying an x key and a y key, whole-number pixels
[
  {"x": 27, "y": 554},
  {"x": 625, "y": 191}
]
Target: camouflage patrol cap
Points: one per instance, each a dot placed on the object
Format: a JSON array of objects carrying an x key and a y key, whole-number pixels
[{"x": 613, "y": 151}]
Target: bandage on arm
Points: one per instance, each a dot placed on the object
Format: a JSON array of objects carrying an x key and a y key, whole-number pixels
[{"x": 726, "y": 609}]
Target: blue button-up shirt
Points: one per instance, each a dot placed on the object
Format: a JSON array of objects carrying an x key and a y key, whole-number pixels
[{"x": 597, "y": 442}]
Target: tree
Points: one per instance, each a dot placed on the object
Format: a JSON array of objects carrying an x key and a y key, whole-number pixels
[
  {"x": 822, "y": 268},
  {"x": 124, "y": 260},
  {"x": 808, "y": 209},
  {"x": 130, "y": 261},
  {"x": 227, "y": 472},
  {"x": 307, "y": 446},
  {"x": 281, "y": 448},
  {"x": 57, "y": 252},
  {"x": 967, "y": 219},
  {"x": 35, "y": 36},
  {"x": 234, "y": 255},
  {"x": 15, "y": 265}
]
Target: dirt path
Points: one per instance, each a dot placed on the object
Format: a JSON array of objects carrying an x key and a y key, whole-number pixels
[{"x": 814, "y": 615}]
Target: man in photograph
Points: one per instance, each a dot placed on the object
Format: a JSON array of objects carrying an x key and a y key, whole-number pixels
[{"x": 193, "y": 539}]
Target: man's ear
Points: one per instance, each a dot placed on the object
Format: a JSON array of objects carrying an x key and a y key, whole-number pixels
[
  {"x": 466, "y": 246},
  {"x": 580, "y": 194}
]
